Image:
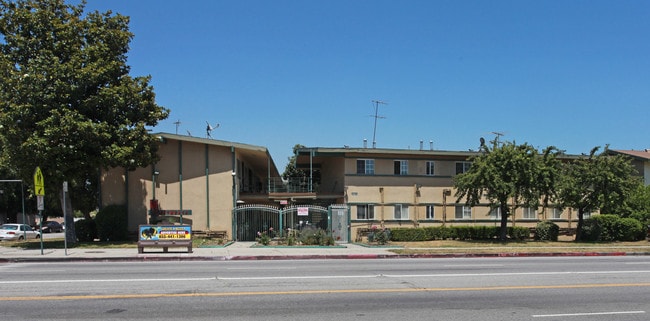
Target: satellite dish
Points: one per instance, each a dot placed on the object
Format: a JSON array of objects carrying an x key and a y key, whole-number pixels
[
  {"x": 210, "y": 128},
  {"x": 189, "y": 134}
]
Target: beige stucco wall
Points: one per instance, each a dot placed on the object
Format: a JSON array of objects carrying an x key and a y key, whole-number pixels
[{"x": 208, "y": 197}]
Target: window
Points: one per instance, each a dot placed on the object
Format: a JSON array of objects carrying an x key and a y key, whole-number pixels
[
  {"x": 429, "y": 215},
  {"x": 401, "y": 212},
  {"x": 463, "y": 212},
  {"x": 530, "y": 213},
  {"x": 586, "y": 215},
  {"x": 495, "y": 213},
  {"x": 430, "y": 168},
  {"x": 462, "y": 167},
  {"x": 557, "y": 213},
  {"x": 365, "y": 212},
  {"x": 366, "y": 166},
  {"x": 401, "y": 167}
]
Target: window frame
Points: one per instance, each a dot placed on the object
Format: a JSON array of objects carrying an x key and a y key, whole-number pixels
[
  {"x": 466, "y": 212},
  {"x": 526, "y": 213},
  {"x": 400, "y": 167},
  {"x": 403, "y": 212},
  {"x": 365, "y": 166},
  {"x": 430, "y": 168},
  {"x": 430, "y": 212},
  {"x": 463, "y": 167},
  {"x": 369, "y": 212}
]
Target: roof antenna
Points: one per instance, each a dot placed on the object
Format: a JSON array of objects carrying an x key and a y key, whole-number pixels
[
  {"x": 209, "y": 129},
  {"x": 376, "y": 116},
  {"x": 178, "y": 122}
]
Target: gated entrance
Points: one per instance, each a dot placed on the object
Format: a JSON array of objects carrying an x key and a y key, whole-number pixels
[{"x": 248, "y": 220}]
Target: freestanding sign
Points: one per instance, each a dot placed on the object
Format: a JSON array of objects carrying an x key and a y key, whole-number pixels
[
  {"x": 39, "y": 182},
  {"x": 39, "y": 190}
]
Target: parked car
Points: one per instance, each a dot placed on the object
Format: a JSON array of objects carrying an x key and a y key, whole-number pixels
[
  {"x": 52, "y": 227},
  {"x": 17, "y": 232}
]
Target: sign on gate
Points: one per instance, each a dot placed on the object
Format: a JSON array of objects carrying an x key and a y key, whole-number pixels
[{"x": 303, "y": 211}]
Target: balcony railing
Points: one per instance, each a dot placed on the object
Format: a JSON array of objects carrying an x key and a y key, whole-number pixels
[{"x": 292, "y": 185}]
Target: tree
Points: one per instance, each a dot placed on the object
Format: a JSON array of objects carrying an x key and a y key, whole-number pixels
[
  {"x": 508, "y": 173},
  {"x": 67, "y": 101},
  {"x": 291, "y": 170},
  {"x": 598, "y": 181}
]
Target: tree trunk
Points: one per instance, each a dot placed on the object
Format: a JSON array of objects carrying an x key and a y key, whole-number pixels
[
  {"x": 579, "y": 227},
  {"x": 504, "y": 222},
  {"x": 70, "y": 235}
]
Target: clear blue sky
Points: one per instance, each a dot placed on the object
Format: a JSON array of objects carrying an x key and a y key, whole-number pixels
[{"x": 573, "y": 74}]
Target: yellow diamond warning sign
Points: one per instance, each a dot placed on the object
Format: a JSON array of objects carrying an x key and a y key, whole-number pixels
[{"x": 39, "y": 182}]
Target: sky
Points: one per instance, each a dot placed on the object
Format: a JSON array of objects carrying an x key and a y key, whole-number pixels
[{"x": 573, "y": 74}]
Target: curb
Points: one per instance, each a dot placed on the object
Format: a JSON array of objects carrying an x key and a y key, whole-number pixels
[{"x": 171, "y": 258}]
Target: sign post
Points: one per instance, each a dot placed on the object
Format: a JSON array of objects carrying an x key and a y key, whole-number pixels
[
  {"x": 65, "y": 218},
  {"x": 39, "y": 190}
]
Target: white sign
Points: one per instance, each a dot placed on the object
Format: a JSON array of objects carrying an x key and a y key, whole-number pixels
[
  {"x": 40, "y": 202},
  {"x": 303, "y": 211}
]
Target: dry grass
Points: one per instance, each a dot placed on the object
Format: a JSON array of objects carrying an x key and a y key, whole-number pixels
[{"x": 564, "y": 245}]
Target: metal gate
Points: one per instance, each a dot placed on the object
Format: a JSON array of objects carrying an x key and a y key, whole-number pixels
[{"x": 249, "y": 220}]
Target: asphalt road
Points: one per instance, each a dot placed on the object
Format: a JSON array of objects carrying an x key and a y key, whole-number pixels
[{"x": 567, "y": 288}]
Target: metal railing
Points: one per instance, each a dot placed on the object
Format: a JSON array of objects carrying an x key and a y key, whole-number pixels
[{"x": 292, "y": 185}]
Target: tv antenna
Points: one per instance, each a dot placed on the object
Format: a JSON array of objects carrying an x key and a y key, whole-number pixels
[
  {"x": 177, "y": 123},
  {"x": 496, "y": 139},
  {"x": 376, "y": 116},
  {"x": 209, "y": 129}
]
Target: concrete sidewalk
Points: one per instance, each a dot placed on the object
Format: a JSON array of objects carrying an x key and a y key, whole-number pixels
[
  {"x": 249, "y": 251},
  {"x": 234, "y": 251}
]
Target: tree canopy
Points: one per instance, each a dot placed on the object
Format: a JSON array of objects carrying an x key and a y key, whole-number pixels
[
  {"x": 596, "y": 182},
  {"x": 67, "y": 101},
  {"x": 505, "y": 174}
]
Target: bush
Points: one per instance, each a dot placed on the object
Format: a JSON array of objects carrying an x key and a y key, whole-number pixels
[
  {"x": 608, "y": 228},
  {"x": 590, "y": 230},
  {"x": 86, "y": 230},
  {"x": 519, "y": 233},
  {"x": 547, "y": 231},
  {"x": 112, "y": 223},
  {"x": 629, "y": 229}
]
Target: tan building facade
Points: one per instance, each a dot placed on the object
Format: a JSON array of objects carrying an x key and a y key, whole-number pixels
[
  {"x": 205, "y": 182},
  {"x": 407, "y": 188},
  {"x": 197, "y": 181}
]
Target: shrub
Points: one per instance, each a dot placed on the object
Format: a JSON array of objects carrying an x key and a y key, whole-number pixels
[
  {"x": 112, "y": 223},
  {"x": 547, "y": 231},
  {"x": 629, "y": 229},
  {"x": 590, "y": 230},
  {"x": 86, "y": 230},
  {"x": 519, "y": 232},
  {"x": 608, "y": 228},
  {"x": 409, "y": 234}
]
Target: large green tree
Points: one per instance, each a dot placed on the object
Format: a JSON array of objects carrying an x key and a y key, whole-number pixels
[
  {"x": 67, "y": 101},
  {"x": 507, "y": 173},
  {"x": 597, "y": 182}
]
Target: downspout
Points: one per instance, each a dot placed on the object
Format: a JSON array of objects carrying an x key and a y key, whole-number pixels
[
  {"x": 234, "y": 194},
  {"x": 180, "y": 178},
  {"x": 207, "y": 187},
  {"x": 311, "y": 170},
  {"x": 126, "y": 191}
]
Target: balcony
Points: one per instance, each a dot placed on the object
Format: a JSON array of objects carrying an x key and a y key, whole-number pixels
[{"x": 299, "y": 185}]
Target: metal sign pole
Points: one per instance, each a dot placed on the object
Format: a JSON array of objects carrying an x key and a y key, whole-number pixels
[{"x": 65, "y": 218}]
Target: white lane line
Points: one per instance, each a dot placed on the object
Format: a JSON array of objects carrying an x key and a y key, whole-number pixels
[
  {"x": 586, "y": 314},
  {"x": 307, "y": 277},
  {"x": 107, "y": 280},
  {"x": 475, "y": 265}
]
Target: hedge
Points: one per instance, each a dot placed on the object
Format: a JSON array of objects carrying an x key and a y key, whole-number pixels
[
  {"x": 462, "y": 233},
  {"x": 608, "y": 228},
  {"x": 547, "y": 231}
]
